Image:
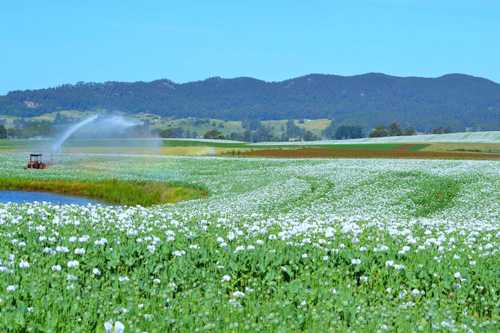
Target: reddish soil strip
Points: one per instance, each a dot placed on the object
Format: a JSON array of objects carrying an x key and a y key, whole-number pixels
[{"x": 366, "y": 153}]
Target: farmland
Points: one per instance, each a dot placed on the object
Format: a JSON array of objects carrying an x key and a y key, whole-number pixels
[
  {"x": 361, "y": 245},
  {"x": 248, "y": 167},
  {"x": 465, "y": 146}
]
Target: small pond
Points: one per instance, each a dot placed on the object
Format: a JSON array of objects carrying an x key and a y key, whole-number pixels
[{"x": 59, "y": 199}]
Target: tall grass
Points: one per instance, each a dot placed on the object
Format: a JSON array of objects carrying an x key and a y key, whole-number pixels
[{"x": 114, "y": 191}]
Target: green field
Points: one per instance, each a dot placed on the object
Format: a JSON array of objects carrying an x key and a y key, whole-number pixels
[
  {"x": 322, "y": 149},
  {"x": 277, "y": 246},
  {"x": 347, "y": 146}
]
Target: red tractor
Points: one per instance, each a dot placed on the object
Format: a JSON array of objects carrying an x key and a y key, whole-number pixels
[{"x": 35, "y": 162}]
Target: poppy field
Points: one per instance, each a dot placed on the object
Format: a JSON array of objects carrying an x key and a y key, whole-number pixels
[{"x": 277, "y": 245}]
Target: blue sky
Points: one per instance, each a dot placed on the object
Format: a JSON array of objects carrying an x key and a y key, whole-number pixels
[{"x": 47, "y": 43}]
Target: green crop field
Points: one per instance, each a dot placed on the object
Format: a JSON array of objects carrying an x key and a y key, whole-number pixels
[
  {"x": 278, "y": 245},
  {"x": 347, "y": 146},
  {"x": 227, "y": 148}
]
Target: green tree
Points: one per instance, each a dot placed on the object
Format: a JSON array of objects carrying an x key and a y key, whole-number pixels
[
  {"x": 251, "y": 124},
  {"x": 409, "y": 131},
  {"x": 310, "y": 136},
  {"x": 348, "y": 132},
  {"x": 293, "y": 130},
  {"x": 379, "y": 132},
  {"x": 441, "y": 130},
  {"x": 59, "y": 119},
  {"x": 236, "y": 136},
  {"x": 3, "y": 132},
  {"x": 174, "y": 132},
  {"x": 394, "y": 129},
  {"x": 247, "y": 136},
  {"x": 213, "y": 134},
  {"x": 329, "y": 132},
  {"x": 263, "y": 133}
]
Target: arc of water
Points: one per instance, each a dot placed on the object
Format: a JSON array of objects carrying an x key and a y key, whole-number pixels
[{"x": 65, "y": 136}]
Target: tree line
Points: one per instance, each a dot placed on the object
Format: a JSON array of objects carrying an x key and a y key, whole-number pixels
[{"x": 253, "y": 131}]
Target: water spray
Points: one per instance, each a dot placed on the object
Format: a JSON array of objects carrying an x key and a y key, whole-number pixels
[{"x": 56, "y": 147}]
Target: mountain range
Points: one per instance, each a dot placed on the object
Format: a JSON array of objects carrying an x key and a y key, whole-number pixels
[{"x": 456, "y": 101}]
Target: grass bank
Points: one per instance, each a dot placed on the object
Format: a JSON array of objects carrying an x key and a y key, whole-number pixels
[{"x": 113, "y": 191}]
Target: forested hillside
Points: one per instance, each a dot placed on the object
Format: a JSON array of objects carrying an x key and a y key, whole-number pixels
[{"x": 454, "y": 101}]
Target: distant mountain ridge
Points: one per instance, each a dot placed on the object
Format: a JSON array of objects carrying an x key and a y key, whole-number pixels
[{"x": 457, "y": 101}]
